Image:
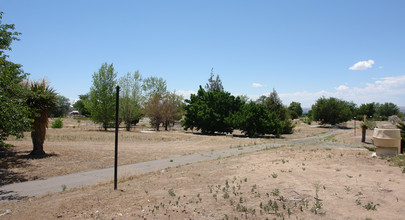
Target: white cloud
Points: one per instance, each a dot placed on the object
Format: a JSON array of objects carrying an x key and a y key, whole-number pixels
[
  {"x": 257, "y": 85},
  {"x": 386, "y": 89},
  {"x": 362, "y": 65},
  {"x": 185, "y": 94},
  {"x": 342, "y": 88}
]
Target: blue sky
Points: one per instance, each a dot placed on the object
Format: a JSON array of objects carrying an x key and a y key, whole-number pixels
[{"x": 353, "y": 50}]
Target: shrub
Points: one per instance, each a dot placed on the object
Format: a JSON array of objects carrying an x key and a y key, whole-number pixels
[{"x": 58, "y": 123}]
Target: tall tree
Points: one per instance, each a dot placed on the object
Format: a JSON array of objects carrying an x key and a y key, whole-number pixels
[
  {"x": 80, "y": 106},
  {"x": 211, "y": 112},
  {"x": 41, "y": 99},
  {"x": 102, "y": 96},
  {"x": 387, "y": 109},
  {"x": 255, "y": 119},
  {"x": 172, "y": 108},
  {"x": 154, "y": 85},
  {"x": 214, "y": 84},
  {"x": 62, "y": 107},
  {"x": 154, "y": 110},
  {"x": 369, "y": 109},
  {"x": 130, "y": 99},
  {"x": 14, "y": 110},
  {"x": 274, "y": 103},
  {"x": 295, "y": 110}
]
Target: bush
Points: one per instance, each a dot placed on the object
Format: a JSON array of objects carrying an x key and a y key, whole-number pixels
[
  {"x": 255, "y": 120},
  {"x": 332, "y": 111},
  {"x": 58, "y": 123}
]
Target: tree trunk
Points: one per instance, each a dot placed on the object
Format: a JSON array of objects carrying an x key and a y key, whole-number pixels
[
  {"x": 38, "y": 134},
  {"x": 128, "y": 126},
  {"x": 363, "y": 134},
  {"x": 166, "y": 125}
]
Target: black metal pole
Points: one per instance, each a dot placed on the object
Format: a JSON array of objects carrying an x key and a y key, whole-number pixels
[{"x": 116, "y": 137}]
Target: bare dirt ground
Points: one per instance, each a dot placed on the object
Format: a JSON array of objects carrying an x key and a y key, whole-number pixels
[{"x": 300, "y": 181}]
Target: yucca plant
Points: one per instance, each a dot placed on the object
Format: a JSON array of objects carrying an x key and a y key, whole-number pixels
[{"x": 41, "y": 99}]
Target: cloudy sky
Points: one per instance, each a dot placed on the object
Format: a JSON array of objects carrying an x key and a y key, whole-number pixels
[{"x": 353, "y": 50}]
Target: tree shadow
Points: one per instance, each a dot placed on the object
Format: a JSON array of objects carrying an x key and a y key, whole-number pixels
[{"x": 10, "y": 159}]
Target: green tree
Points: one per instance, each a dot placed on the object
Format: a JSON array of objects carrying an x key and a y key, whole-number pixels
[
  {"x": 102, "y": 96},
  {"x": 154, "y": 85},
  {"x": 80, "y": 106},
  {"x": 387, "y": 109},
  {"x": 14, "y": 110},
  {"x": 275, "y": 105},
  {"x": 214, "y": 84},
  {"x": 261, "y": 100},
  {"x": 62, "y": 107},
  {"x": 130, "y": 99},
  {"x": 369, "y": 109},
  {"x": 255, "y": 120},
  {"x": 41, "y": 99},
  {"x": 295, "y": 110},
  {"x": 332, "y": 111},
  {"x": 211, "y": 112}
]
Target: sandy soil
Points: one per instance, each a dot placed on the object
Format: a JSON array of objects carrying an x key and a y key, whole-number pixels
[
  {"x": 83, "y": 146},
  {"x": 306, "y": 182}
]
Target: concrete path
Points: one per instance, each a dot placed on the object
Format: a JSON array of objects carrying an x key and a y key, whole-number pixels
[{"x": 57, "y": 184}]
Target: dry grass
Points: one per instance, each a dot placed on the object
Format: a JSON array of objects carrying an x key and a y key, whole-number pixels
[{"x": 306, "y": 182}]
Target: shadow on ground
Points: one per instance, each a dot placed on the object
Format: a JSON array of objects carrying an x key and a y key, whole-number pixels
[{"x": 11, "y": 159}]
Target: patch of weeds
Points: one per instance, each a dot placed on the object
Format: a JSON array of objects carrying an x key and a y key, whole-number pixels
[
  {"x": 348, "y": 188},
  {"x": 358, "y": 202},
  {"x": 372, "y": 149},
  {"x": 275, "y": 192},
  {"x": 371, "y": 206},
  {"x": 274, "y": 175},
  {"x": 399, "y": 161},
  {"x": 338, "y": 169},
  {"x": 64, "y": 187},
  {"x": 171, "y": 193},
  {"x": 171, "y": 160}
]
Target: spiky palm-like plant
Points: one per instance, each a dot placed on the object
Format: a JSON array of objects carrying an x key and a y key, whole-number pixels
[{"x": 41, "y": 99}]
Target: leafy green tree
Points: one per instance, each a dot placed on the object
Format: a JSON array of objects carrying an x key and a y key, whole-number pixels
[
  {"x": 255, "y": 120},
  {"x": 102, "y": 96},
  {"x": 275, "y": 105},
  {"x": 214, "y": 84},
  {"x": 80, "y": 106},
  {"x": 154, "y": 85},
  {"x": 295, "y": 110},
  {"x": 14, "y": 110},
  {"x": 261, "y": 100},
  {"x": 62, "y": 107},
  {"x": 41, "y": 99},
  {"x": 211, "y": 112},
  {"x": 131, "y": 99},
  {"x": 369, "y": 109},
  {"x": 387, "y": 109},
  {"x": 332, "y": 111}
]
